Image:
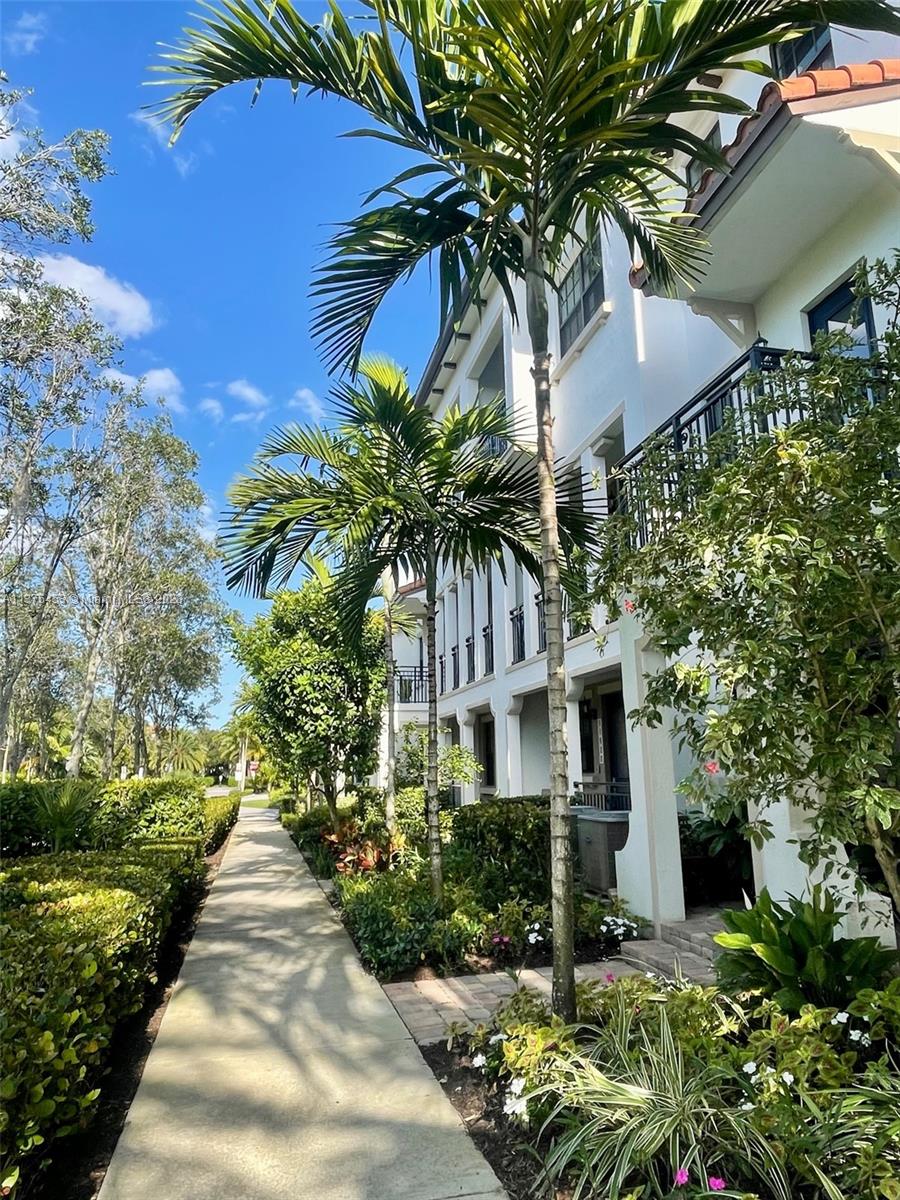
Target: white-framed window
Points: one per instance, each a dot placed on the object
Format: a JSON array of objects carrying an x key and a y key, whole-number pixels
[{"x": 580, "y": 292}]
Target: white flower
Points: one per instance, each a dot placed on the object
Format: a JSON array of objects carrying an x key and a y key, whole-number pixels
[
  {"x": 479, "y": 1060},
  {"x": 748, "y": 1106},
  {"x": 840, "y": 1018},
  {"x": 498, "y": 1037},
  {"x": 749, "y": 1068},
  {"x": 769, "y": 1070},
  {"x": 534, "y": 937},
  {"x": 787, "y": 1078},
  {"x": 755, "y": 1078},
  {"x": 515, "y": 1106},
  {"x": 517, "y": 1087}
]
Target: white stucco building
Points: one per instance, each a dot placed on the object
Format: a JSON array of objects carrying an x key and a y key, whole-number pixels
[{"x": 814, "y": 187}]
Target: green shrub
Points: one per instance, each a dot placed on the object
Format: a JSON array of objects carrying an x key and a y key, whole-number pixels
[
  {"x": 63, "y": 812},
  {"x": 391, "y": 917},
  {"x": 20, "y": 830},
  {"x": 133, "y": 810},
  {"x": 219, "y": 815},
  {"x": 81, "y": 936},
  {"x": 509, "y": 840},
  {"x": 791, "y": 954}
]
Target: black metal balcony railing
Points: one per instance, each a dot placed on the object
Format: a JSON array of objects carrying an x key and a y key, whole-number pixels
[
  {"x": 442, "y": 673},
  {"x": 454, "y": 666},
  {"x": 684, "y": 440},
  {"x": 610, "y": 796},
  {"x": 411, "y": 685},
  {"x": 517, "y": 624},
  {"x": 496, "y": 445},
  {"x": 541, "y": 622},
  {"x": 488, "y": 635},
  {"x": 470, "y": 659}
]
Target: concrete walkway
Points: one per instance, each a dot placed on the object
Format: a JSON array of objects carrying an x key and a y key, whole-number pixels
[{"x": 281, "y": 1070}]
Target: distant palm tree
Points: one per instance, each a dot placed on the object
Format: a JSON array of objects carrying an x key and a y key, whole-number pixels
[
  {"x": 183, "y": 751},
  {"x": 535, "y": 122},
  {"x": 392, "y": 489}
]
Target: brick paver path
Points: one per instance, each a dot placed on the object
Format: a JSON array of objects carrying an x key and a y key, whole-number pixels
[{"x": 430, "y": 1006}]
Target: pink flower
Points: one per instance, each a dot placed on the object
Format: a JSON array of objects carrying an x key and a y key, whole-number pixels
[
  {"x": 681, "y": 1177},
  {"x": 629, "y": 606},
  {"x": 716, "y": 1184},
  {"x": 711, "y": 767},
  {"x": 496, "y": 939},
  {"x": 610, "y": 978}
]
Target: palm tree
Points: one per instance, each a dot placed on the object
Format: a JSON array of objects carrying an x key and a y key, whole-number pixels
[
  {"x": 182, "y": 751},
  {"x": 535, "y": 122},
  {"x": 393, "y": 490}
]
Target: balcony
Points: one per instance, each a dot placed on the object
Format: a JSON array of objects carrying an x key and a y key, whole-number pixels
[
  {"x": 496, "y": 446},
  {"x": 517, "y": 626},
  {"x": 470, "y": 659},
  {"x": 541, "y": 622},
  {"x": 686, "y": 447},
  {"x": 607, "y": 796},
  {"x": 488, "y": 634},
  {"x": 442, "y": 673},
  {"x": 454, "y": 667},
  {"x": 411, "y": 685}
]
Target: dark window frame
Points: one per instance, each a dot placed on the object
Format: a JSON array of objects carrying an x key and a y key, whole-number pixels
[
  {"x": 838, "y": 301},
  {"x": 695, "y": 168},
  {"x": 581, "y": 293}
]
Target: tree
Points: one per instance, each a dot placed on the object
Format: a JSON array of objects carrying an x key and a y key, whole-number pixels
[
  {"x": 393, "y": 489},
  {"x": 317, "y": 700},
  {"x": 780, "y": 612},
  {"x": 534, "y": 122}
]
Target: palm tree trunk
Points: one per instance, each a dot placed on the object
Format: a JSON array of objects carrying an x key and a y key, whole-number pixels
[
  {"x": 561, "y": 881},
  {"x": 432, "y": 817},
  {"x": 391, "y": 747}
]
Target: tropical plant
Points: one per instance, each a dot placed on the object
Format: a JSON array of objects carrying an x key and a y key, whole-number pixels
[
  {"x": 183, "y": 751},
  {"x": 392, "y": 488},
  {"x": 536, "y": 122},
  {"x": 63, "y": 812},
  {"x": 791, "y": 953}
]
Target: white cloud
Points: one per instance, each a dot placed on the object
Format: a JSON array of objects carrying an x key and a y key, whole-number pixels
[
  {"x": 118, "y": 305},
  {"x": 252, "y": 418},
  {"x": 208, "y": 529},
  {"x": 159, "y": 383},
  {"x": 157, "y": 134},
  {"x": 212, "y": 408},
  {"x": 309, "y": 403},
  {"x": 247, "y": 393},
  {"x": 27, "y": 33}
]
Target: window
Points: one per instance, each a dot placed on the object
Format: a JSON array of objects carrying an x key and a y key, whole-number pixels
[
  {"x": 840, "y": 310},
  {"x": 695, "y": 167},
  {"x": 580, "y": 293},
  {"x": 811, "y": 50}
]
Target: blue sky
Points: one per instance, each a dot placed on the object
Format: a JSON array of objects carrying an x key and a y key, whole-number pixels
[{"x": 203, "y": 254}]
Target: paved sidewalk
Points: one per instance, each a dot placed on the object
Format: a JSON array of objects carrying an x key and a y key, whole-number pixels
[
  {"x": 430, "y": 1006},
  {"x": 281, "y": 1070}
]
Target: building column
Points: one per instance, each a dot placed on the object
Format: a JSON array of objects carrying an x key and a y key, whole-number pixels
[
  {"x": 574, "y": 693},
  {"x": 648, "y": 868},
  {"x": 466, "y": 722},
  {"x": 513, "y": 746}
]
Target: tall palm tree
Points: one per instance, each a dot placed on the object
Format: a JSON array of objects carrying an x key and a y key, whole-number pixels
[
  {"x": 393, "y": 489},
  {"x": 534, "y": 123}
]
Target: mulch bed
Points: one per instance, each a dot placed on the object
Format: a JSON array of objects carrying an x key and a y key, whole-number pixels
[
  {"x": 80, "y": 1161},
  {"x": 481, "y": 1109}
]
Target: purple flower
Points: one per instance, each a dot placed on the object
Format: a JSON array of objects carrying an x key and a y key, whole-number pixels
[
  {"x": 716, "y": 1184},
  {"x": 610, "y": 978},
  {"x": 681, "y": 1177}
]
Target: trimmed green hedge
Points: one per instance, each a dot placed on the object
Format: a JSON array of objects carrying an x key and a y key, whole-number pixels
[
  {"x": 219, "y": 815},
  {"x": 81, "y": 936},
  {"x": 508, "y": 841},
  {"x": 124, "y": 812}
]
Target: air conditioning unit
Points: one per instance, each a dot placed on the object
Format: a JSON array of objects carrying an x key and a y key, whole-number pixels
[{"x": 599, "y": 835}]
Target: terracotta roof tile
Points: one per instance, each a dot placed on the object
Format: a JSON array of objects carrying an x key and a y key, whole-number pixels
[{"x": 810, "y": 84}]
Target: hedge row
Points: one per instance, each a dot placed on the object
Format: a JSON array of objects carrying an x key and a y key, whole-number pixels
[
  {"x": 219, "y": 815},
  {"x": 81, "y": 936},
  {"x": 121, "y": 814}
]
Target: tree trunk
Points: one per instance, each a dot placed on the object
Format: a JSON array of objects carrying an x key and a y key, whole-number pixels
[
  {"x": 561, "y": 881},
  {"x": 73, "y": 763},
  {"x": 432, "y": 817},
  {"x": 330, "y": 791},
  {"x": 882, "y": 844},
  {"x": 391, "y": 747},
  {"x": 109, "y": 746}
]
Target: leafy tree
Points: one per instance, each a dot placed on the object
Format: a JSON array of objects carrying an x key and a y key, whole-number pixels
[
  {"x": 392, "y": 489},
  {"x": 531, "y": 124},
  {"x": 183, "y": 751},
  {"x": 317, "y": 699},
  {"x": 770, "y": 583}
]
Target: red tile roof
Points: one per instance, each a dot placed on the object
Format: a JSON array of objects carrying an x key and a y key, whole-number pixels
[{"x": 811, "y": 85}]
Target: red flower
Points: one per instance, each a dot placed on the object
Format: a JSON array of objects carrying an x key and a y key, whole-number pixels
[
  {"x": 711, "y": 767},
  {"x": 629, "y": 606}
]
